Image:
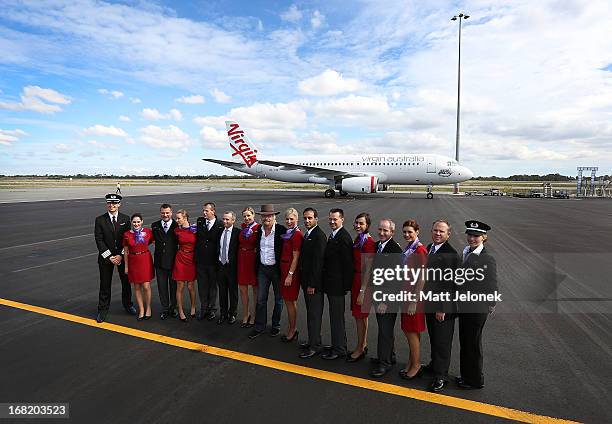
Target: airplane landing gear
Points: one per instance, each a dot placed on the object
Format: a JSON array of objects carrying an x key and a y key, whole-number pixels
[
  {"x": 429, "y": 193},
  {"x": 330, "y": 193},
  {"x": 343, "y": 193}
]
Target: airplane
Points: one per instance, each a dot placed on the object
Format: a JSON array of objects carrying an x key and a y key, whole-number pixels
[{"x": 355, "y": 174}]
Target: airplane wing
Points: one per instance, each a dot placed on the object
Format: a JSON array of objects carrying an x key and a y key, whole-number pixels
[
  {"x": 321, "y": 172},
  {"x": 232, "y": 165}
]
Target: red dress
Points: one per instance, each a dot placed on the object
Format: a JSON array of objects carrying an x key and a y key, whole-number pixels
[
  {"x": 362, "y": 311},
  {"x": 247, "y": 255},
  {"x": 415, "y": 323},
  {"x": 140, "y": 261},
  {"x": 294, "y": 244},
  {"x": 184, "y": 261}
]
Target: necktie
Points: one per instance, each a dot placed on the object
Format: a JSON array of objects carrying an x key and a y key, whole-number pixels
[
  {"x": 331, "y": 236},
  {"x": 165, "y": 227},
  {"x": 380, "y": 247},
  {"x": 224, "y": 248},
  {"x": 432, "y": 249},
  {"x": 114, "y": 223},
  {"x": 207, "y": 224}
]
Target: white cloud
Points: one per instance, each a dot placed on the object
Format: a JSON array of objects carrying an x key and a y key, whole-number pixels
[
  {"x": 328, "y": 83},
  {"x": 135, "y": 100},
  {"x": 317, "y": 19},
  {"x": 33, "y": 99},
  {"x": 213, "y": 139},
  {"x": 171, "y": 137},
  {"x": 110, "y": 93},
  {"x": 62, "y": 148},
  {"x": 124, "y": 118},
  {"x": 271, "y": 115},
  {"x": 155, "y": 115},
  {"x": 10, "y": 136},
  {"x": 210, "y": 121},
  {"x": 220, "y": 96},
  {"x": 196, "y": 99},
  {"x": 101, "y": 130},
  {"x": 293, "y": 14}
]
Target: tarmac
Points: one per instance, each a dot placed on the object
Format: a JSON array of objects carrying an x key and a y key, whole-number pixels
[{"x": 547, "y": 348}]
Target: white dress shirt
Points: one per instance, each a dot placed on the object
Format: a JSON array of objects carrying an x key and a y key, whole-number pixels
[
  {"x": 266, "y": 247},
  {"x": 227, "y": 232}
]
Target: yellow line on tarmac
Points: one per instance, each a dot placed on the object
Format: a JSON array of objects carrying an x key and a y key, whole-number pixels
[{"x": 450, "y": 401}]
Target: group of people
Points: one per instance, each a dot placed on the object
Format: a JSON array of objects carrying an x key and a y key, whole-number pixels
[{"x": 226, "y": 260}]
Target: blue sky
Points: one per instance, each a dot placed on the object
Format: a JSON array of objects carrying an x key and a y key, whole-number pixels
[{"x": 139, "y": 87}]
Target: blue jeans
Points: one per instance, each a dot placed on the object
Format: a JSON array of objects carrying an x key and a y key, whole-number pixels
[{"x": 267, "y": 275}]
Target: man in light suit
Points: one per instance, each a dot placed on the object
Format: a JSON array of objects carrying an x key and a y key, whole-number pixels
[
  {"x": 228, "y": 269},
  {"x": 207, "y": 247},
  {"x": 312, "y": 257},
  {"x": 387, "y": 256},
  {"x": 337, "y": 280},
  {"x": 166, "y": 245},
  {"x": 108, "y": 232}
]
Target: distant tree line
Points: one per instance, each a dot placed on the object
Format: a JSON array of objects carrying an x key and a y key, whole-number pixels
[
  {"x": 138, "y": 177},
  {"x": 525, "y": 177}
]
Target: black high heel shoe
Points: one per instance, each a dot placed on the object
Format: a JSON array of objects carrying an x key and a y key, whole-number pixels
[
  {"x": 147, "y": 317},
  {"x": 286, "y": 339},
  {"x": 245, "y": 324},
  {"x": 192, "y": 315},
  {"x": 404, "y": 374},
  {"x": 140, "y": 318},
  {"x": 361, "y": 356},
  {"x": 182, "y": 319}
]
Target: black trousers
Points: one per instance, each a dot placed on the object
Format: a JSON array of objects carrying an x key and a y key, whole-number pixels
[
  {"x": 166, "y": 287},
  {"x": 470, "y": 339},
  {"x": 106, "y": 277},
  {"x": 207, "y": 287},
  {"x": 337, "y": 324},
  {"x": 314, "y": 318},
  {"x": 386, "y": 338},
  {"x": 441, "y": 342},
  {"x": 228, "y": 285}
]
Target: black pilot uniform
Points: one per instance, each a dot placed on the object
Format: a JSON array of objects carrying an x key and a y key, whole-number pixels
[
  {"x": 108, "y": 233},
  {"x": 166, "y": 245},
  {"x": 206, "y": 255},
  {"x": 472, "y": 314}
]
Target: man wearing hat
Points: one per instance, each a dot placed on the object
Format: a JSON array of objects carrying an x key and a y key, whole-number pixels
[
  {"x": 472, "y": 313},
  {"x": 108, "y": 232},
  {"x": 269, "y": 242}
]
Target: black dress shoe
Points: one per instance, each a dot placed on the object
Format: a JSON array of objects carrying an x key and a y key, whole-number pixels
[
  {"x": 404, "y": 374},
  {"x": 286, "y": 339},
  {"x": 304, "y": 345},
  {"x": 164, "y": 315},
  {"x": 200, "y": 315},
  {"x": 174, "y": 313},
  {"x": 221, "y": 320},
  {"x": 379, "y": 371},
  {"x": 461, "y": 383},
  {"x": 210, "y": 316},
  {"x": 309, "y": 353},
  {"x": 254, "y": 334},
  {"x": 274, "y": 332},
  {"x": 330, "y": 356},
  {"x": 231, "y": 320},
  {"x": 101, "y": 317},
  {"x": 437, "y": 385},
  {"x": 131, "y": 310}
]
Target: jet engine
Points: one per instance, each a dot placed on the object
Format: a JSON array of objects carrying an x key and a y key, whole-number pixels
[{"x": 358, "y": 184}]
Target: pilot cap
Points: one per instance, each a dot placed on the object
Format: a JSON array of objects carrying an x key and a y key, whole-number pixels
[
  {"x": 476, "y": 228},
  {"x": 113, "y": 198}
]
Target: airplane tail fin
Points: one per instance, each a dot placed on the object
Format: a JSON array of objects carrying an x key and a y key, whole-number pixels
[{"x": 240, "y": 144}]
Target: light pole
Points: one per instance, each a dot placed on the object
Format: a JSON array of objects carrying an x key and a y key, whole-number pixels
[{"x": 459, "y": 17}]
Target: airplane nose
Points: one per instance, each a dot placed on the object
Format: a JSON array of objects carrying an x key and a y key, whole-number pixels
[{"x": 467, "y": 173}]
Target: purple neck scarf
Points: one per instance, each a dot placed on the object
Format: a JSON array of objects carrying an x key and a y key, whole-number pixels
[
  {"x": 139, "y": 236},
  {"x": 247, "y": 230},
  {"x": 289, "y": 233},
  {"x": 361, "y": 240},
  {"x": 411, "y": 248}
]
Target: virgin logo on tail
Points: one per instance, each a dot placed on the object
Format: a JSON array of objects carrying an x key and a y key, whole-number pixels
[{"x": 240, "y": 144}]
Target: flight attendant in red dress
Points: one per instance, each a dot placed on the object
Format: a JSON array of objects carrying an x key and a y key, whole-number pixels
[
  {"x": 289, "y": 275},
  {"x": 364, "y": 248},
  {"x": 139, "y": 264},
  {"x": 184, "y": 271},
  {"x": 413, "y": 318},
  {"x": 247, "y": 255}
]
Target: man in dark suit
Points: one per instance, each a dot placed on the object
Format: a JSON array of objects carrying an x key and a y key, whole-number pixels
[
  {"x": 440, "y": 314},
  {"x": 166, "y": 245},
  {"x": 388, "y": 254},
  {"x": 207, "y": 247},
  {"x": 108, "y": 232},
  {"x": 312, "y": 257},
  {"x": 228, "y": 269},
  {"x": 270, "y": 245},
  {"x": 337, "y": 280}
]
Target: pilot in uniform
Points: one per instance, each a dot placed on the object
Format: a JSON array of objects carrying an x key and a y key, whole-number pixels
[{"x": 108, "y": 233}]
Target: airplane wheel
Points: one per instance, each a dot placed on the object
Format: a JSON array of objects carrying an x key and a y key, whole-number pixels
[
  {"x": 430, "y": 195},
  {"x": 343, "y": 193},
  {"x": 329, "y": 193}
]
